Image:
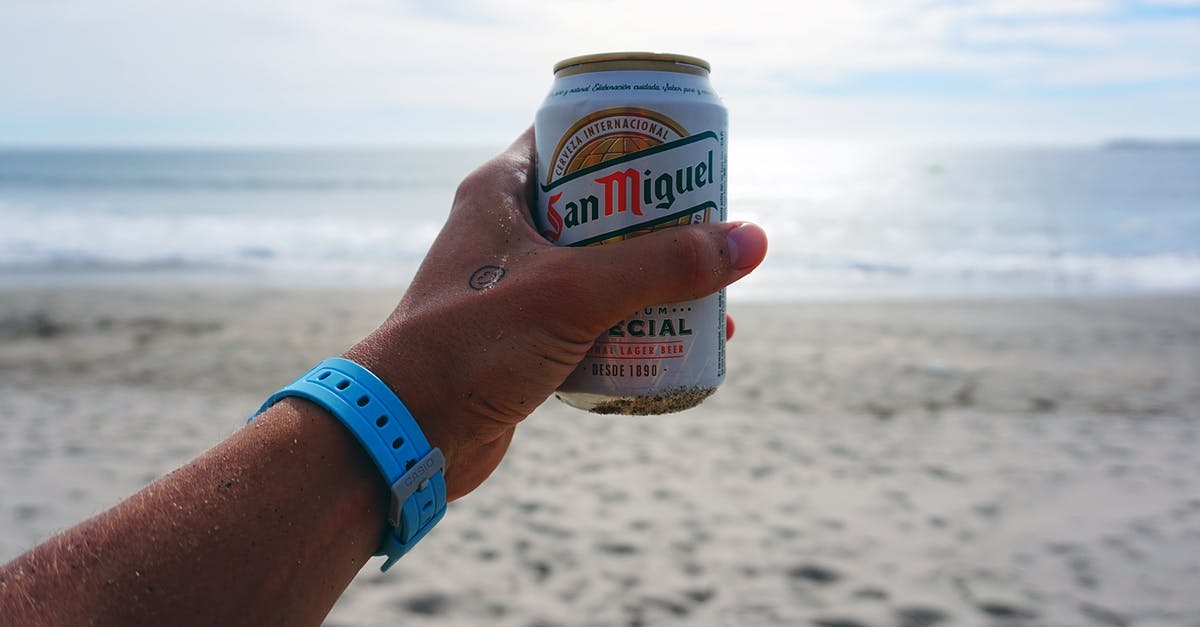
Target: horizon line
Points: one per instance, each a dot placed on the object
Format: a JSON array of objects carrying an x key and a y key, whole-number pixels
[{"x": 1108, "y": 142}]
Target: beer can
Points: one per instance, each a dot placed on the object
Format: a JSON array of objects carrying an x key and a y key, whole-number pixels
[{"x": 629, "y": 143}]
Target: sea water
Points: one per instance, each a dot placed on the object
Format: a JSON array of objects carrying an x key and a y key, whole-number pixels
[{"x": 845, "y": 220}]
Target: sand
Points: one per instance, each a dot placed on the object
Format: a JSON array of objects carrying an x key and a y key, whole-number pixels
[{"x": 974, "y": 463}]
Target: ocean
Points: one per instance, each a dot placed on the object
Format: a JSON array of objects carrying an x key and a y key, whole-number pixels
[{"x": 846, "y": 221}]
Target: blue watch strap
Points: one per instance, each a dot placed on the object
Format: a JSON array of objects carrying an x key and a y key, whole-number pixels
[{"x": 386, "y": 429}]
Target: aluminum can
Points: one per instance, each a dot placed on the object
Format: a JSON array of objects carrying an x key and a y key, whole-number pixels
[{"x": 629, "y": 143}]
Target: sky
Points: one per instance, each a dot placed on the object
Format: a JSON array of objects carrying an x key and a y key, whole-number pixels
[{"x": 303, "y": 72}]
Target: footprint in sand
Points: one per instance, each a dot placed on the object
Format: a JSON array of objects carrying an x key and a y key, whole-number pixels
[
  {"x": 617, "y": 548},
  {"x": 426, "y": 604},
  {"x": 920, "y": 616},
  {"x": 1006, "y": 611},
  {"x": 814, "y": 573}
]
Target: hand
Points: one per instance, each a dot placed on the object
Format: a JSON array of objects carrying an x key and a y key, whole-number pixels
[{"x": 497, "y": 317}]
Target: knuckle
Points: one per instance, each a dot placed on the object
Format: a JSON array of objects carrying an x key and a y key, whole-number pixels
[
  {"x": 500, "y": 183},
  {"x": 474, "y": 182}
]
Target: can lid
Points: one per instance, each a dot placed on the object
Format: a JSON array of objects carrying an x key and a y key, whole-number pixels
[{"x": 634, "y": 60}]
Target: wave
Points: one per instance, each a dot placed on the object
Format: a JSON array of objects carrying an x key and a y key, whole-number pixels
[
  {"x": 211, "y": 183},
  {"x": 301, "y": 259},
  {"x": 226, "y": 170},
  {"x": 841, "y": 223},
  {"x": 972, "y": 275}
]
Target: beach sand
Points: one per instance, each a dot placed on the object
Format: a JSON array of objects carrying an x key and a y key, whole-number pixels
[{"x": 903, "y": 463}]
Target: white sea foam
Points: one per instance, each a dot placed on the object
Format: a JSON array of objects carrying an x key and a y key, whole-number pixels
[{"x": 844, "y": 221}]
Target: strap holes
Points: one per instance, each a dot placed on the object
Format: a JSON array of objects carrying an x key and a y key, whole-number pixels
[
  {"x": 363, "y": 400},
  {"x": 397, "y": 443},
  {"x": 382, "y": 420},
  {"x": 343, "y": 384},
  {"x": 323, "y": 375},
  {"x": 408, "y": 466}
]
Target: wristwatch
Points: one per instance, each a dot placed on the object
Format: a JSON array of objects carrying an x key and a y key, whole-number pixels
[{"x": 385, "y": 428}]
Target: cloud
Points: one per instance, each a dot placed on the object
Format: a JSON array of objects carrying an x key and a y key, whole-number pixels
[
  {"x": 1050, "y": 35},
  {"x": 1041, "y": 8},
  {"x": 487, "y": 63}
]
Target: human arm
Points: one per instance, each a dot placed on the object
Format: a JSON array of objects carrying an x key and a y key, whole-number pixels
[{"x": 270, "y": 525}]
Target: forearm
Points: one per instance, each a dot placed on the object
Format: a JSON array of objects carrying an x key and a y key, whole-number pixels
[{"x": 268, "y": 527}]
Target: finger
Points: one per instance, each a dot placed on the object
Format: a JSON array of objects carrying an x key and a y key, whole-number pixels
[
  {"x": 728, "y": 327},
  {"x": 672, "y": 265}
]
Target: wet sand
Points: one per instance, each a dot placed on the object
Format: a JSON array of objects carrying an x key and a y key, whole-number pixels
[{"x": 913, "y": 463}]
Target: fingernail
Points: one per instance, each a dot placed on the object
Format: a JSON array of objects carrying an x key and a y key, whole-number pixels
[{"x": 747, "y": 246}]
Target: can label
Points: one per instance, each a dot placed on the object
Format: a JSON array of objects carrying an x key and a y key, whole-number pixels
[
  {"x": 591, "y": 199},
  {"x": 614, "y": 165}
]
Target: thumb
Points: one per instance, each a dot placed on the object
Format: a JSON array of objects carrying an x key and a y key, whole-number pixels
[{"x": 676, "y": 264}]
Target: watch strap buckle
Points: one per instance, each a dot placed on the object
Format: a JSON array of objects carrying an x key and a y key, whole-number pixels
[{"x": 414, "y": 479}]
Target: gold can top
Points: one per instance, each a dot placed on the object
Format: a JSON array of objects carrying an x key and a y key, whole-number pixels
[{"x": 609, "y": 61}]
